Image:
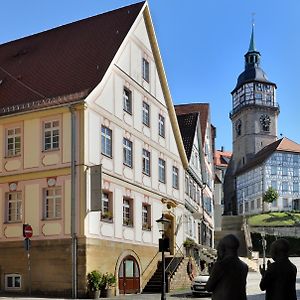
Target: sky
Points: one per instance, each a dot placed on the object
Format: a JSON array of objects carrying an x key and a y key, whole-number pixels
[{"x": 202, "y": 43}]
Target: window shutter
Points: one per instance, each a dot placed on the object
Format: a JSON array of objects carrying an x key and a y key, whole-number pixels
[{"x": 96, "y": 187}]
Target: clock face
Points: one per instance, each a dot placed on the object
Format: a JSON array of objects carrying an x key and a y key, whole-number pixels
[{"x": 265, "y": 120}]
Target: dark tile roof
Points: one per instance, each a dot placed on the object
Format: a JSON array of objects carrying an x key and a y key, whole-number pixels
[
  {"x": 202, "y": 108},
  {"x": 66, "y": 60},
  {"x": 187, "y": 124},
  {"x": 282, "y": 145}
]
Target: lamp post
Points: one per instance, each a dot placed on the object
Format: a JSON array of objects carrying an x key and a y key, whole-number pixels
[
  {"x": 162, "y": 224},
  {"x": 264, "y": 245}
]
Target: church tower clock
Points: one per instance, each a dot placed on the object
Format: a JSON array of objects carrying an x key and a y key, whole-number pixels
[{"x": 254, "y": 110}]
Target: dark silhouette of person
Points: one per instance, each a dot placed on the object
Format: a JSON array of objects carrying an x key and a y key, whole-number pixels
[
  {"x": 228, "y": 276},
  {"x": 279, "y": 280}
]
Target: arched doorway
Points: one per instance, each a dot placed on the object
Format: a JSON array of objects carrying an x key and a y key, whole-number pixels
[{"x": 129, "y": 276}]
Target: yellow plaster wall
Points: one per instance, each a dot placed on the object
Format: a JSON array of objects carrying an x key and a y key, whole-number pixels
[
  {"x": 66, "y": 137},
  {"x": 32, "y": 206},
  {"x": 32, "y": 146},
  {"x": 67, "y": 202}
]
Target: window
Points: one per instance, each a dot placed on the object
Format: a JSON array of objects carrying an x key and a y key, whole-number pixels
[
  {"x": 274, "y": 203},
  {"x": 258, "y": 203},
  {"x": 285, "y": 186},
  {"x": 52, "y": 203},
  {"x": 187, "y": 185},
  {"x": 296, "y": 187},
  {"x": 246, "y": 206},
  {"x": 12, "y": 281},
  {"x": 284, "y": 171},
  {"x": 127, "y": 153},
  {"x": 146, "y": 114},
  {"x": 273, "y": 170},
  {"x": 106, "y": 141},
  {"x": 161, "y": 125},
  {"x": 14, "y": 207},
  {"x": 127, "y": 100},
  {"x": 13, "y": 141},
  {"x": 274, "y": 184},
  {"x": 285, "y": 203},
  {"x": 146, "y": 217},
  {"x": 127, "y": 212},
  {"x": 107, "y": 211},
  {"x": 146, "y": 162},
  {"x": 252, "y": 204},
  {"x": 161, "y": 170},
  {"x": 145, "y": 69},
  {"x": 51, "y": 135},
  {"x": 175, "y": 177},
  {"x": 295, "y": 172}
]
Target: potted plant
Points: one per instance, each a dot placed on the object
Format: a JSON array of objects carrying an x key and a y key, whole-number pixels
[
  {"x": 95, "y": 283},
  {"x": 106, "y": 216},
  {"x": 109, "y": 281},
  {"x": 188, "y": 245}
]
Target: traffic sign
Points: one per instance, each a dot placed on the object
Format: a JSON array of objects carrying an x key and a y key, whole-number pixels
[{"x": 27, "y": 231}]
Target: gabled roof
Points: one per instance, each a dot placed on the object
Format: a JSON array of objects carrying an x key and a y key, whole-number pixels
[
  {"x": 66, "y": 60},
  {"x": 188, "y": 125},
  {"x": 202, "y": 108},
  {"x": 282, "y": 145},
  {"x": 222, "y": 158}
]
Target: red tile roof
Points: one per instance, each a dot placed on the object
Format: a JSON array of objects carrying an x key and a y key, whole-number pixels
[
  {"x": 68, "y": 60},
  {"x": 222, "y": 158},
  {"x": 202, "y": 108},
  {"x": 282, "y": 145}
]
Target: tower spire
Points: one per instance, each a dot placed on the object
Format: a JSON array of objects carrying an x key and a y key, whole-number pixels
[{"x": 252, "y": 41}]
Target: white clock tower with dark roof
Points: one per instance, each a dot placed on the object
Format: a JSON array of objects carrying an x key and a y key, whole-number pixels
[{"x": 254, "y": 117}]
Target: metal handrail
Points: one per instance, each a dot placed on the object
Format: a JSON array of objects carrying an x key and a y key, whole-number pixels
[
  {"x": 146, "y": 279},
  {"x": 150, "y": 263},
  {"x": 175, "y": 255}
]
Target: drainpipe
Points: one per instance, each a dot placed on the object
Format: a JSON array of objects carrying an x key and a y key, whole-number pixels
[{"x": 73, "y": 202}]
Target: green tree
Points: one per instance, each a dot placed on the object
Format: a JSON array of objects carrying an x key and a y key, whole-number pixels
[{"x": 270, "y": 195}]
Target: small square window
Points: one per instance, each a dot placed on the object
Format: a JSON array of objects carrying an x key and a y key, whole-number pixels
[
  {"x": 13, "y": 282},
  {"x": 146, "y": 70},
  {"x": 127, "y": 100}
]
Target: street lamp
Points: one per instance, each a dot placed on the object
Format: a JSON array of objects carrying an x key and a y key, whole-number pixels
[{"x": 163, "y": 224}]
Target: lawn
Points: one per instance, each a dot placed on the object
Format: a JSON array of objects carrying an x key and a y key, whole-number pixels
[{"x": 275, "y": 219}]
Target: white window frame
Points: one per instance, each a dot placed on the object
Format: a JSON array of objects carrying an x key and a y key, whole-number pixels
[
  {"x": 127, "y": 212},
  {"x": 146, "y": 69},
  {"x": 14, "y": 277},
  {"x": 13, "y": 141},
  {"x": 106, "y": 141},
  {"x": 127, "y": 100},
  {"x": 161, "y": 170},
  {"x": 14, "y": 205},
  {"x": 54, "y": 201},
  {"x": 51, "y": 135},
  {"x": 175, "y": 177},
  {"x": 127, "y": 152},
  {"x": 161, "y": 125},
  {"x": 146, "y": 157},
  {"x": 146, "y": 114}
]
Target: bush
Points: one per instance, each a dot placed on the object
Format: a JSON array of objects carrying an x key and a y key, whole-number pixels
[{"x": 95, "y": 281}]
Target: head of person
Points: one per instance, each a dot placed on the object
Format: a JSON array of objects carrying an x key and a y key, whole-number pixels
[
  {"x": 228, "y": 245},
  {"x": 280, "y": 249}
]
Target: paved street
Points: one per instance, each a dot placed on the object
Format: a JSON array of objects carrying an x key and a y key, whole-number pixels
[{"x": 253, "y": 290}]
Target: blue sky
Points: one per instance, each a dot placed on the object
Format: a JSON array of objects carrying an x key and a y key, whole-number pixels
[{"x": 202, "y": 45}]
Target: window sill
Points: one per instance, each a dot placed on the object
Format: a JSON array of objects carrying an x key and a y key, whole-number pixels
[
  {"x": 107, "y": 220},
  {"x": 106, "y": 155}
]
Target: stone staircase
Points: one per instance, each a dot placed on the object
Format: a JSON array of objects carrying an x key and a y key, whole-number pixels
[{"x": 253, "y": 265}]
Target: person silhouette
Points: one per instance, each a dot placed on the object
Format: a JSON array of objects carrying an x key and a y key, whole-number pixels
[
  {"x": 228, "y": 276},
  {"x": 279, "y": 280}
]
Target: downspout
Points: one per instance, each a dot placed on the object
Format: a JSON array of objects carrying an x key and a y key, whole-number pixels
[{"x": 73, "y": 202}]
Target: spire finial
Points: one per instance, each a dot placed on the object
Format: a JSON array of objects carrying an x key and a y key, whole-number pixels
[{"x": 252, "y": 42}]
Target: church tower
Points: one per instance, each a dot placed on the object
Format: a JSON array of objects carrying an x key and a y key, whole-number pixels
[
  {"x": 254, "y": 119},
  {"x": 254, "y": 110}
]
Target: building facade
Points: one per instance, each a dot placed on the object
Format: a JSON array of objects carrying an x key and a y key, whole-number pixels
[{"x": 91, "y": 155}]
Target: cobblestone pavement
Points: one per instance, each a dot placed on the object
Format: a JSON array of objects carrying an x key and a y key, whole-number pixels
[{"x": 253, "y": 290}]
